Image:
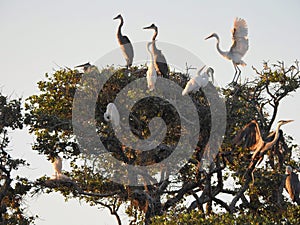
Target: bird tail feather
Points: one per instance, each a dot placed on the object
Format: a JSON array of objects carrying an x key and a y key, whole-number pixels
[{"x": 243, "y": 63}]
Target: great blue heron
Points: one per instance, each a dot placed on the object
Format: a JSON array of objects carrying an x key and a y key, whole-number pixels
[
  {"x": 151, "y": 72},
  {"x": 125, "y": 43},
  {"x": 57, "y": 166},
  {"x": 112, "y": 114},
  {"x": 199, "y": 81},
  {"x": 87, "y": 67},
  {"x": 251, "y": 136},
  {"x": 239, "y": 47},
  {"x": 160, "y": 62},
  {"x": 292, "y": 184}
]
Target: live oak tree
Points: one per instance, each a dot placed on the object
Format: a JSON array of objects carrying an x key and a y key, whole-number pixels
[
  {"x": 13, "y": 188},
  {"x": 192, "y": 195}
]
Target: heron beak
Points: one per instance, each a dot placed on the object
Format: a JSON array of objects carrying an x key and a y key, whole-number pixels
[
  {"x": 152, "y": 26},
  {"x": 201, "y": 69},
  {"x": 117, "y": 17},
  {"x": 288, "y": 121},
  {"x": 209, "y": 37},
  {"x": 83, "y": 65}
]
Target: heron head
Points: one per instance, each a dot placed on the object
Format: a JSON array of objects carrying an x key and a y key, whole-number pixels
[
  {"x": 152, "y": 26},
  {"x": 212, "y": 35},
  {"x": 84, "y": 66},
  {"x": 282, "y": 122},
  {"x": 210, "y": 71},
  {"x": 288, "y": 170},
  {"x": 56, "y": 158},
  {"x": 118, "y": 17},
  {"x": 200, "y": 70}
]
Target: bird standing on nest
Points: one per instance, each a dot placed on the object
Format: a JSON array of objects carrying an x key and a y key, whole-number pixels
[
  {"x": 125, "y": 44},
  {"x": 292, "y": 184}
]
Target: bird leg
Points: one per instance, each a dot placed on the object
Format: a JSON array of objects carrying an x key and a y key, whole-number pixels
[{"x": 237, "y": 74}]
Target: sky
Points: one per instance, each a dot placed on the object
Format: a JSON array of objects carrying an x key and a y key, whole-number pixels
[{"x": 38, "y": 37}]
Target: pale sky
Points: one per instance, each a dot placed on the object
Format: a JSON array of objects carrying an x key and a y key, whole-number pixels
[{"x": 36, "y": 36}]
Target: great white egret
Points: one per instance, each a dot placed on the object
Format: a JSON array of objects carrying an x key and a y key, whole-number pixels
[
  {"x": 57, "y": 166},
  {"x": 112, "y": 114},
  {"x": 239, "y": 47},
  {"x": 199, "y": 81},
  {"x": 292, "y": 184},
  {"x": 251, "y": 136},
  {"x": 151, "y": 72},
  {"x": 160, "y": 62},
  {"x": 125, "y": 44}
]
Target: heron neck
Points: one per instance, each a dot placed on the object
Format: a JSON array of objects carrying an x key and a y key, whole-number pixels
[
  {"x": 155, "y": 35},
  {"x": 218, "y": 47},
  {"x": 120, "y": 26},
  {"x": 154, "y": 49},
  {"x": 151, "y": 55},
  {"x": 276, "y": 134}
]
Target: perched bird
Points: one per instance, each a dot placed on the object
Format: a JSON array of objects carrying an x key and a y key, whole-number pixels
[
  {"x": 292, "y": 184},
  {"x": 160, "y": 62},
  {"x": 112, "y": 114},
  {"x": 57, "y": 166},
  {"x": 251, "y": 136},
  {"x": 88, "y": 68},
  {"x": 151, "y": 72},
  {"x": 125, "y": 44},
  {"x": 239, "y": 47},
  {"x": 199, "y": 81}
]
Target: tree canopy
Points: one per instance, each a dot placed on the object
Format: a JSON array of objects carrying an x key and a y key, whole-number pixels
[
  {"x": 13, "y": 189},
  {"x": 230, "y": 190}
]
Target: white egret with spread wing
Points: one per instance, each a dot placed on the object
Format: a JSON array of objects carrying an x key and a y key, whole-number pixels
[{"x": 239, "y": 47}]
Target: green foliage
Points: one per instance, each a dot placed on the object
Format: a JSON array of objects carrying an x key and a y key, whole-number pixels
[
  {"x": 50, "y": 113},
  {"x": 12, "y": 190},
  {"x": 289, "y": 215},
  {"x": 49, "y": 116}
]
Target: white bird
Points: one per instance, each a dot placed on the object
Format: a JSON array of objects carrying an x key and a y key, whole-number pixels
[
  {"x": 112, "y": 114},
  {"x": 151, "y": 72},
  {"x": 125, "y": 44},
  {"x": 198, "y": 81},
  {"x": 57, "y": 166},
  {"x": 239, "y": 47}
]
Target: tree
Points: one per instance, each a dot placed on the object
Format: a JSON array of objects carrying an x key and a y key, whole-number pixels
[
  {"x": 12, "y": 189},
  {"x": 49, "y": 116}
]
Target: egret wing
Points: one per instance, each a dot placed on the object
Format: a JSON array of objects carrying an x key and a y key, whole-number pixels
[
  {"x": 240, "y": 28},
  {"x": 239, "y": 37}
]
